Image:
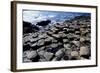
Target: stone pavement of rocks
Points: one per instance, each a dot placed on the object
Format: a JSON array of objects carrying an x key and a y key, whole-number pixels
[{"x": 68, "y": 41}]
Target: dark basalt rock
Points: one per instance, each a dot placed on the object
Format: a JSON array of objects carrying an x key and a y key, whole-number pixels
[
  {"x": 29, "y": 28},
  {"x": 73, "y": 58},
  {"x": 26, "y": 47},
  {"x": 85, "y": 56},
  {"x": 53, "y": 50},
  {"x": 44, "y": 23},
  {"x": 36, "y": 59},
  {"x": 66, "y": 58}
]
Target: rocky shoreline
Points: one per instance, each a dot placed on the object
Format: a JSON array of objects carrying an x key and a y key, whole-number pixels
[{"x": 70, "y": 40}]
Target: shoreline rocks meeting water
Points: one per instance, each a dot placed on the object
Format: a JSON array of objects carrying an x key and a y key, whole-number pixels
[{"x": 70, "y": 40}]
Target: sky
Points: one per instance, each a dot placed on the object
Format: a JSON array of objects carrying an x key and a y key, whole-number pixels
[{"x": 34, "y": 16}]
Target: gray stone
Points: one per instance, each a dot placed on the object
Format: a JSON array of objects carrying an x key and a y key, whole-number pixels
[
  {"x": 33, "y": 39},
  {"x": 41, "y": 53},
  {"x": 77, "y": 43},
  {"x": 82, "y": 29},
  {"x": 83, "y": 32},
  {"x": 82, "y": 39},
  {"x": 77, "y": 32},
  {"x": 54, "y": 59},
  {"x": 34, "y": 35},
  {"x": 49, "y": 32},
  {"x": 67, "y": 46},
  {"x": 84, "y": 50},
  {"x": 28, "y": 43},
  {"x": 33, "y": 45},
  {"x": 70, "y": 35},
  {"x": 48, "y": 39},
  {"x": 59, "y": 53},
  {"x": 59, "y": 26},
  {"x": 40, "y": 42},
  {"x": 44, "y": 35},
  {"x": 54, "y": 41},
  {"x": 77, "y": 36},
  {"x": 41, "y": 48},
  {"x": 59, "y": 43},
  {"x": 26, "y": 60},
  {"x": 26, "y": 38},
  {"x": 31, "y": 54},
  {"x": 56, "y": 35},
  {"x": 54, "y": 45},
  {"x": 48, "y": 55},
  {"x": 70, "y": 30},
  {"x": 65, "y": 29},
  {"x": 54, "y": 29},
  {"x": 68, "y": 52},
  {"x": 62, "y": 34},
  {"x": 65, "y": 40},
  {"x": 74, "y": 54},
  {"x": 88, "y": 39}
]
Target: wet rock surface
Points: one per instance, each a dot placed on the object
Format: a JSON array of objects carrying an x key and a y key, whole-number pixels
[{"x": 70, "y": 40}]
